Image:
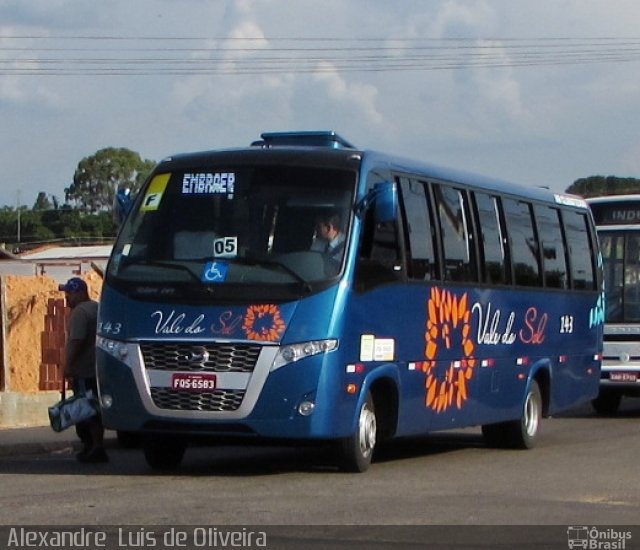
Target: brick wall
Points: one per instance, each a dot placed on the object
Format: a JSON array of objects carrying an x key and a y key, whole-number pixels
[{"x": 53, "y": 340}]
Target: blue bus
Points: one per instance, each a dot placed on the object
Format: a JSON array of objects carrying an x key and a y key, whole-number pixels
[
  {"x": 617, "y": 219},
  {"x": 304, "y": 290}
]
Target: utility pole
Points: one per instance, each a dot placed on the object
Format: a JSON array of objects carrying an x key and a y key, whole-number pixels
[{"x": 18, "y": 209}]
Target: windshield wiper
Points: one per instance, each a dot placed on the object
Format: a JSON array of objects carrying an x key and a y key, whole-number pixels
[
  {"x": 167, "y": 264},
  {"x": 251, "y": 260},
  {"x": 246, "y": 260}
]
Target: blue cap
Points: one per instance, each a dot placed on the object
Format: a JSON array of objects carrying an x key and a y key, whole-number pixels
[{"x": 75, "y": 284}]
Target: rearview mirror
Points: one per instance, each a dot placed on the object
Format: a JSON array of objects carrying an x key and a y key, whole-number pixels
[
  {"x": 121, "y": 205},
  {"x": 385, "y": 202}
]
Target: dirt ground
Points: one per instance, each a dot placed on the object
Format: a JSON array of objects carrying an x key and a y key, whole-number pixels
[{"x": 26, "y": 305}]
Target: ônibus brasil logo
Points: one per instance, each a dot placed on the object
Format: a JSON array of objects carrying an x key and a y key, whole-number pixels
[{"x": 597, "y": 538}]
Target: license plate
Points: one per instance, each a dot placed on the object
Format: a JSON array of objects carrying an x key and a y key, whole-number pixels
[
  {"x": 623, "y": 377},
  {"x": 196, "y": 382}
]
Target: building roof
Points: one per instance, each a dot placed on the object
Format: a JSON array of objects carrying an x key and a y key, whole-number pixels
[
  {"x": 100, "y": 252},
  {"x": 59, "y": 262},
  {"x": 6, "y": 255}
]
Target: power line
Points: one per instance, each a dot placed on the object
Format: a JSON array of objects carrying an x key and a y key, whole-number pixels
[
  {"x": 336, "y": 39},
  {"x": 233, "y": 56}
]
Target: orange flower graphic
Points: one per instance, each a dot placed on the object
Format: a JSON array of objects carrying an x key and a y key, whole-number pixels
[
  {"x": 448, "y": 326},
  {"x": 264, "y": 323}
]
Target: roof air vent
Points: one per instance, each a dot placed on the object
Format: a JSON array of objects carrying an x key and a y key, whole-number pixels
[{"x": 303, "y": 139}]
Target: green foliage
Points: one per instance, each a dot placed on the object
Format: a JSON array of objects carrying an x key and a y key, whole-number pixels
[
  {"x": 64, "y": 224},
  {"x": 8, "y": 224},
  {"x": 98, "y": 177},
  {"x": 86, "y": 215},
  {"x": 31, "y": 224},
  {"x": 595, "y": 186},
  {"x": 42, "y": 202}
]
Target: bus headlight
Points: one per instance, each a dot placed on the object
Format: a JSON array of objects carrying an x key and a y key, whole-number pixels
[
  {"x": 115, "y": 348},
  {"x": 106, "y": 401},
  {"x": 306, "y": 408},
  {"x": 295, "y": 352}
]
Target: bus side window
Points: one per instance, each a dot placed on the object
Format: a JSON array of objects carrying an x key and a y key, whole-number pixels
[
  {"x": 380, "y": 257},
  {"x": 455, "y": 230},
  {"x": 612, "y": 245},
  {"x": 493, "y": 262},
  {"x": 553, "y": 256},
  {"x": 631, "y": 299},
  {"x": 523, "y": 242},
  {"x": 421, "y": 262},
  {"x": 580, "y": 250}
]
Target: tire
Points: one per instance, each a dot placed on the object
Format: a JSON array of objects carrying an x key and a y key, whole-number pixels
[
  {"x": 494, "y": 434},
  {"x": 607, "y": 402},
  {"x": 357, "y": 450},
  {"x": 164, "y": 452},
  {"x": 128, "y": 440},
  {"x": 521, "y": 433}
]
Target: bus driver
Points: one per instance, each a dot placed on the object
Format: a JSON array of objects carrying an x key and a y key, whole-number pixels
[{"x": 330, "y": 241}]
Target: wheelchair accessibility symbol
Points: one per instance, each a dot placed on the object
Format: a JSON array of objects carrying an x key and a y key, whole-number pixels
[{"x": 215, "y": 272}]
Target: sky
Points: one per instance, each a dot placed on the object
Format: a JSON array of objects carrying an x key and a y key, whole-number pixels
[{"x": 539, "y": 93}]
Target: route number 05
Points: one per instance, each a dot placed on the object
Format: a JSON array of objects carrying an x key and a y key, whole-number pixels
[{"x": 226, "y": 247}]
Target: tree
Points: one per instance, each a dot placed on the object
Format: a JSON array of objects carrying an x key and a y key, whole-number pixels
[
  {"x": 8, "y": 224},
  {"x": 42, "y": 202},
  {"x": 595, "y": 186},
  {"x": 32, "y": 229},
  {"x": 99, "y": 176}
]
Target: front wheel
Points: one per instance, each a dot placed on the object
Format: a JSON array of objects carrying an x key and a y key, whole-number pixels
[
  {"x": 128, "y": 440},
  {"x": 357, "y": 450},
  {"x": 164, "y": 452},
  {"x": 607, "y": 402},
  {"x": 522, "y": 433}
]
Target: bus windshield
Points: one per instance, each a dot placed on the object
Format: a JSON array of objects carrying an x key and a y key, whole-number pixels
[
  {"x": 228, "y": 228},
  {"x": 621, "y": 262}
]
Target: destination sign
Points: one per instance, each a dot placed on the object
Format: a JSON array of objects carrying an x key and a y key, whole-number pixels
[{"x": 616, "y": 213}]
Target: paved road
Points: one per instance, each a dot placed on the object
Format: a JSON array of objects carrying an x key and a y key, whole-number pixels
[{"x": 583, "y": 472}]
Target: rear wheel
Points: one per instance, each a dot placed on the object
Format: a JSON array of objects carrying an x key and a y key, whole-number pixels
[
  {"x": 522, "y": 433},
  {"x": 357, "y": 450},
  {"x": 128, "y": 440},
  {"x": 164, "y": 452},
  {"x": 494, "y": 434},
  {"x": 607, "y": 402}
]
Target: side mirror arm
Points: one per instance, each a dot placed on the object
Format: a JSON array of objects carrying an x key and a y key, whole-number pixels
[{"x": 384, "y": 197}]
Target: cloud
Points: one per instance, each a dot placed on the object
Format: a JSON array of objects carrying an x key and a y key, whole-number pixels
[
  {"x": 355, "y": 97},
  {"x": 274, "y": 100},
  {"x": 467, "y": 92},
  {"x": 56, "y": 14},
  {"x": 16, "y": 89},
  {"x": 494, "y": 95},
  {"x": 547, "y": 122},
  {"x": 631, "y": 159},
  {"x": 456, "y": 19}
]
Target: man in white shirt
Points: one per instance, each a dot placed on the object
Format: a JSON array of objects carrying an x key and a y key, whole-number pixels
[{"x": 328, "y": 229}]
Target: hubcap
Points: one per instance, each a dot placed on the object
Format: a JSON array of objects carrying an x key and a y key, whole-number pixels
[
  {"x": 531, "y": 415},
  {"x": 367, "y": 430}
]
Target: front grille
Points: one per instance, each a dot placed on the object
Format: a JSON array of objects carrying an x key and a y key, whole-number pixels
[
  {"x": 623, "y": 337},
  {"x": 218, "y": 400},
  {"x": 200, "y": 357}
]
